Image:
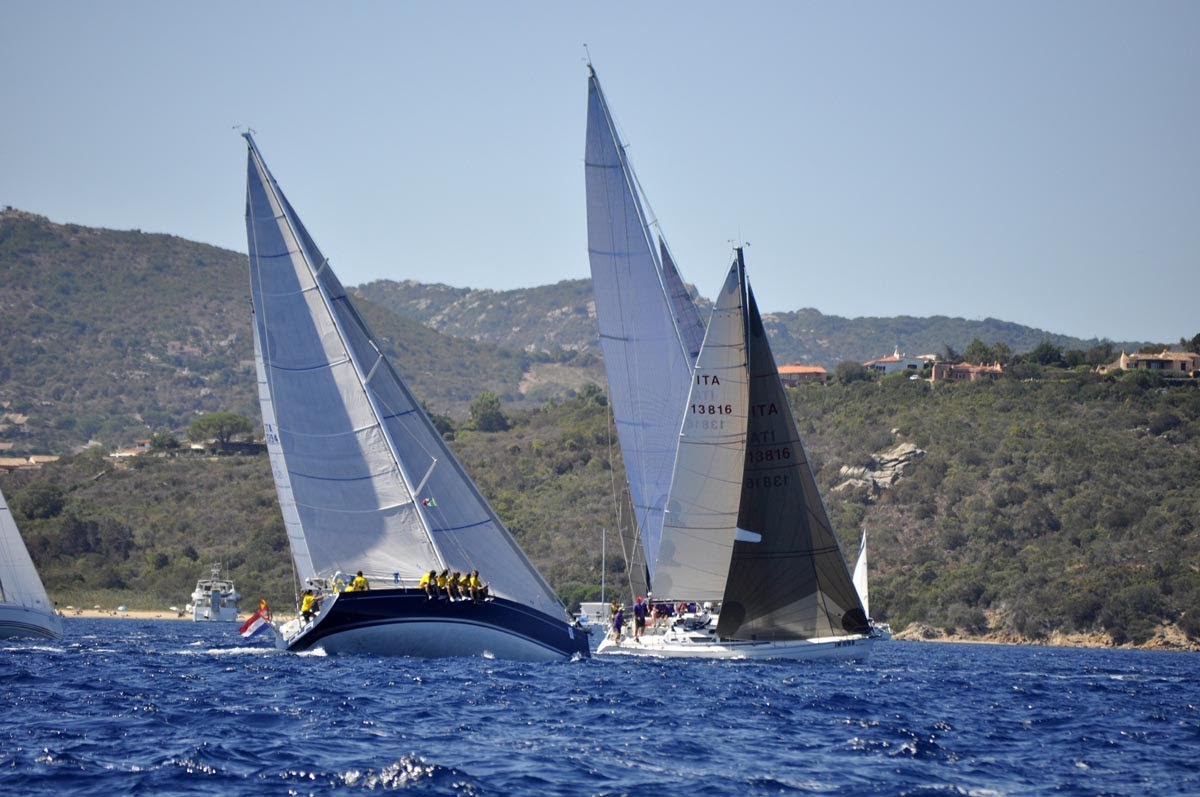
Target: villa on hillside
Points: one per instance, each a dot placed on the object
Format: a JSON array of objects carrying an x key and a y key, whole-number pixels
[
  {"x": 1170, "y": 363},
  {"x": 794, "y": 374},
  {"x": 897, "y": 362},
  {"x": 965, "y": 372}
]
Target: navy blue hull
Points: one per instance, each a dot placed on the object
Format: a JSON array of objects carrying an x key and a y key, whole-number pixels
[{"x": 406, "y": 622}]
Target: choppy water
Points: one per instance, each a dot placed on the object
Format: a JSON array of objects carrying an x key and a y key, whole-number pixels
[{"x": 164, "y": 707}]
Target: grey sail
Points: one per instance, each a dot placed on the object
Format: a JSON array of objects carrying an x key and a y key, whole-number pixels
[
  {"x": 702, "y": 511},
  {"x": 648, "y": 352},
  {"x": 366, "y": 481},
  {"x": 792, "y": 582}
]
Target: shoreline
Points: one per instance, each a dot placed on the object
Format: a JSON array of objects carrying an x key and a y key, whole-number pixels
[{"x": 1167, "y": 637}]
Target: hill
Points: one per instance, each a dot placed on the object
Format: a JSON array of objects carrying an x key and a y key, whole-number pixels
[
  {"x": 561, "y": 317},
  {"x": 111, "y": 335}
]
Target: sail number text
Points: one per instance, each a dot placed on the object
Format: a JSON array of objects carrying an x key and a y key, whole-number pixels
[
  {"x": 765, "y": 482},
  {"x": 712, "y": 409},
  {"x": 768, "y": 455}
]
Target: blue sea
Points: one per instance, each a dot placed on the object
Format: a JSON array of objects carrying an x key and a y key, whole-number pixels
[{"x": 125, "y": 706}]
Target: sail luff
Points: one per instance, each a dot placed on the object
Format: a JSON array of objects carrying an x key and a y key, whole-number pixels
[{"x": 702, "y": 511}]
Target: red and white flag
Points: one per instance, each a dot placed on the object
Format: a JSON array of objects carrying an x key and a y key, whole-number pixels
[{"x": 257, "y": 622}]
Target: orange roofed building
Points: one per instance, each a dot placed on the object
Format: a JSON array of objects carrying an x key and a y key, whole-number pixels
[
  {"x": 794, "y": 374},
  {"x": 1171, "y": 363}
]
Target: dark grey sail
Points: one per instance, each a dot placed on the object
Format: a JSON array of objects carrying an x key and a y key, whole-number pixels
[{"x": 792, "y": 583}]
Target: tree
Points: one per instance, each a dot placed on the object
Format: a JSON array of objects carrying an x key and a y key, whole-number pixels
[
  {"x": 1192, "y": 345},
  {"x": 220, "y": 426},
  {"x": 40, "y": 500},
  {"x": 979, "y": 352},
  {"x": 486, "y": 415},
  {"x": 163, "y": 440},
  {"x": 1046, "y": 353},
  {"x": 1101, "y": 353},
  {"x": 849, "y": 371}
]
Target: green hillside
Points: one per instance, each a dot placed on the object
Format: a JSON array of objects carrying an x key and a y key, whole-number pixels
[{"x": 111, "y": 335}]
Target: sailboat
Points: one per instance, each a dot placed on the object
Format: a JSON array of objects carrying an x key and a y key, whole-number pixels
[
  {"x": 366, "y": 483},
  {"x": 704, "y": 453},
  {"x": 25, "y": 609},
  {"x": 861, "y": 580}
]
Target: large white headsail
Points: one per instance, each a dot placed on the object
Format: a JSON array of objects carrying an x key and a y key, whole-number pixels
[
  {"x": 374, "y": 485},
  {"x": 647, "y": 357},
  {"x": 702, "y": 511}
]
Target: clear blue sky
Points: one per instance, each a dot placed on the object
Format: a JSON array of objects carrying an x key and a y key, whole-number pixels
[{"x": 1029, "y": 161}]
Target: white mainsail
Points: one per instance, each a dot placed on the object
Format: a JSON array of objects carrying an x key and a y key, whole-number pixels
[
  {"x": 702, "y": 512},
  {"x": 366, "y": 481},
  {"x": 649, "y": 327}
]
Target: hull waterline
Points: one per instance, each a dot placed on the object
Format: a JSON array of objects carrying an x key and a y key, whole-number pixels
[
  {"x": 700, "y": 645},
  {"x": 399, "y": 622},
  {"x": 21, "y": 622}
]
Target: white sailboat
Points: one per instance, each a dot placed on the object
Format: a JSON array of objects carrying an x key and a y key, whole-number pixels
[
  {"x": 25, "y": 609},
  {"x": 776, "y": 571},
  {"x": 862, "y": 585},
  {"x": 365, "y": 481}
]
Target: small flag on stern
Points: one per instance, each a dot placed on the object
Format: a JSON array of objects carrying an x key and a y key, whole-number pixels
[
  {"x": 257, "y": 622},
  {"x": 428, "y": 502}
]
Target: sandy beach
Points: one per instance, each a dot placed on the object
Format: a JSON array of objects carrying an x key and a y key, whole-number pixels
[{"x": 134, "y": 614}]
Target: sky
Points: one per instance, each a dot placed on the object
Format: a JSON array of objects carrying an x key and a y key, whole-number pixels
[{"x": 1035, "y": 162}]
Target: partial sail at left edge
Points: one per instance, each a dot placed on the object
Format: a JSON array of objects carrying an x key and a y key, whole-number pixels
[{"x": 25, "y": 608}]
